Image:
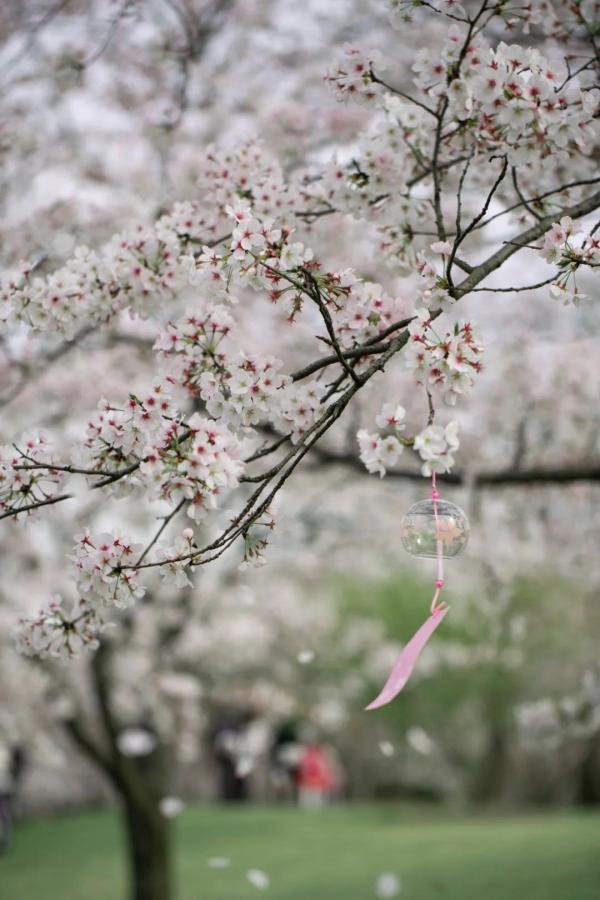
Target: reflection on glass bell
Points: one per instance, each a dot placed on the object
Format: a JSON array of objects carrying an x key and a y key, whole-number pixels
[{"x": 422, "y": 531}]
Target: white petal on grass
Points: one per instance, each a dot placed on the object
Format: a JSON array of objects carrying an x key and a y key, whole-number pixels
[
  {"x": 387, "y": 885},
  {"x": 218, "y": 862},
  {"x": 258, "y": 879},
  {"x": 387, "y": 748},
  {"x": 305, "y": 657},
  {"x": 170, "y": 807}
]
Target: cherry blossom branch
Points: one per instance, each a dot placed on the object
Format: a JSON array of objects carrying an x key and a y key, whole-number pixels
[
  {"x": 497, "y": 259},
  {"x": 110, "y": 33},
  {"x": 81, "y": 736},
  {"x": 501, "y": 478},
  {"x": 478, "y": 274},
  {"x": 278, "y": 475},
  {"x": 445, "y": 13},
  {"x": 29, "y": 373},
  {"x": 464, "y": 233},
  {"x": 516, "y": 290},
  {"x": 537, "y": 199},
  {"x": 107, "y": 477},
  {"x": 435, "y": 170},
  {"x": 315, "y": 293},
  {"x": 166, "y": 521},
  {"x": 515, "y": 181},
  {"x": 369, "y": 348},
  {"x": 408, "y": 97},
  {"x": 271, "y": 448},
  {"x": 329, "y": 210},
  {"x": 29, "y": 507}
]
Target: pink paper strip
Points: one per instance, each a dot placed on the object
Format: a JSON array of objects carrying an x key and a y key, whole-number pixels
[{"x": 406, "y": 661}]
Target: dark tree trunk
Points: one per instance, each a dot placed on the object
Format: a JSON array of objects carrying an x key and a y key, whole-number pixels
[
  {"x": 488, "y": 783},
  {"x": 140, "y": 783},
  {"x": 588, "y": 776},
  {"x": 149, "y": 839}
]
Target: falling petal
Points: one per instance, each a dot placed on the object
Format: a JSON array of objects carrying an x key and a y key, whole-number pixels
[
  {"x": 387, "y": 748},
  {"x": 170, "y": 807},
  {"x": 136, "y": 742},
  {"x": 387, "y": 885},
  {"x": 420, "y": 741},
  {"x": 244, "y": 766},
  {"x": 218, "y": 862},
  {"x": 258, "y": 879}
]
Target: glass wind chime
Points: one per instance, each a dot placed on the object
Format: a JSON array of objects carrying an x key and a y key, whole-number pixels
[{"x": 435, "y": 529}]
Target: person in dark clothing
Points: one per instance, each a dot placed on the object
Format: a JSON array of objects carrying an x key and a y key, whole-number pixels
[{"x": 12, "y": 761}]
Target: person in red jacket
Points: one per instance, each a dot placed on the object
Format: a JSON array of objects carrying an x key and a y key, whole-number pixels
[{"x": 316, "y": 777}]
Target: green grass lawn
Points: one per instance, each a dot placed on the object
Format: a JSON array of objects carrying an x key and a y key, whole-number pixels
[{"x": 333, "y": 855}]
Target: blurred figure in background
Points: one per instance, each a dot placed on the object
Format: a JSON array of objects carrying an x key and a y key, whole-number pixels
[
  {"x": 286, "y": 753},
  {"x": 317, "y": 776},
  {"x": 225, "y": 739},
  {"x": 240, "y": 742},
  {"x": 11, "y": 765}
]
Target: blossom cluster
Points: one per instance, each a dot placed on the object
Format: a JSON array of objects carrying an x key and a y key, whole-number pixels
[
  {"x": 264, "y": 256},
  {"x": 117, "y": 436},
  {"x": 380, "y": 450},
  {"x": 148, "y": 444},
  {"x": 147, "y": 268},
  {"x": 376, "y": 184},
  {"x": 104, "y": 569},
  {"x": 197, "y": 346},
  {"x": 511, "y": 96},
  {"x": 299, "y": 408},
  {"x": 238, "y": 389},
  {"x": 198, "y": 467},
  {"x": 247, "y": 392},
  {"x": 256, "y": 541},
  {"x": 434, "y": 294},
  {"x": 54, "y": 632},
  {"x": 271, "y": 260},
  {"x": 436, "y": 446},
  {"x": 248, "y": 172},
  {"x": 552, "y": 17},
  {"x": 105, "y": 577},
  {"x": 137, "y": 270},
  {"x": 511, "y": 102},
  {"x": 176, "y": 560},
  {"x": 24, "y": 478},
  {"x": 366, "y": 311},
  {"x": 569, "y": 255},
  {"x": 446, "y": 363},
  {"x": 352, "y": 74}
]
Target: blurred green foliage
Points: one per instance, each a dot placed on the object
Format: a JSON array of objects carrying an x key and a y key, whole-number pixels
[{"x": 502, "y": 645}]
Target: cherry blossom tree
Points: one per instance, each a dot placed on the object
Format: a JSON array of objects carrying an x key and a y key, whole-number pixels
[
  {"x": 502, "y": 106},
  {"x": 245, "y": 290}
]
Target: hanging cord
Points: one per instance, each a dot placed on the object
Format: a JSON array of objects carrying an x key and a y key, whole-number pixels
[{"x": 439, "y": 549}]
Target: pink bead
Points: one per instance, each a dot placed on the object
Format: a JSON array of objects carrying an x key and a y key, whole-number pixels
[{"x": 439, "y": 583}]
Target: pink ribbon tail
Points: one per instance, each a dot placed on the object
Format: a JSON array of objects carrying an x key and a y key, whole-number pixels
[{"x": 406, "y": 661}]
